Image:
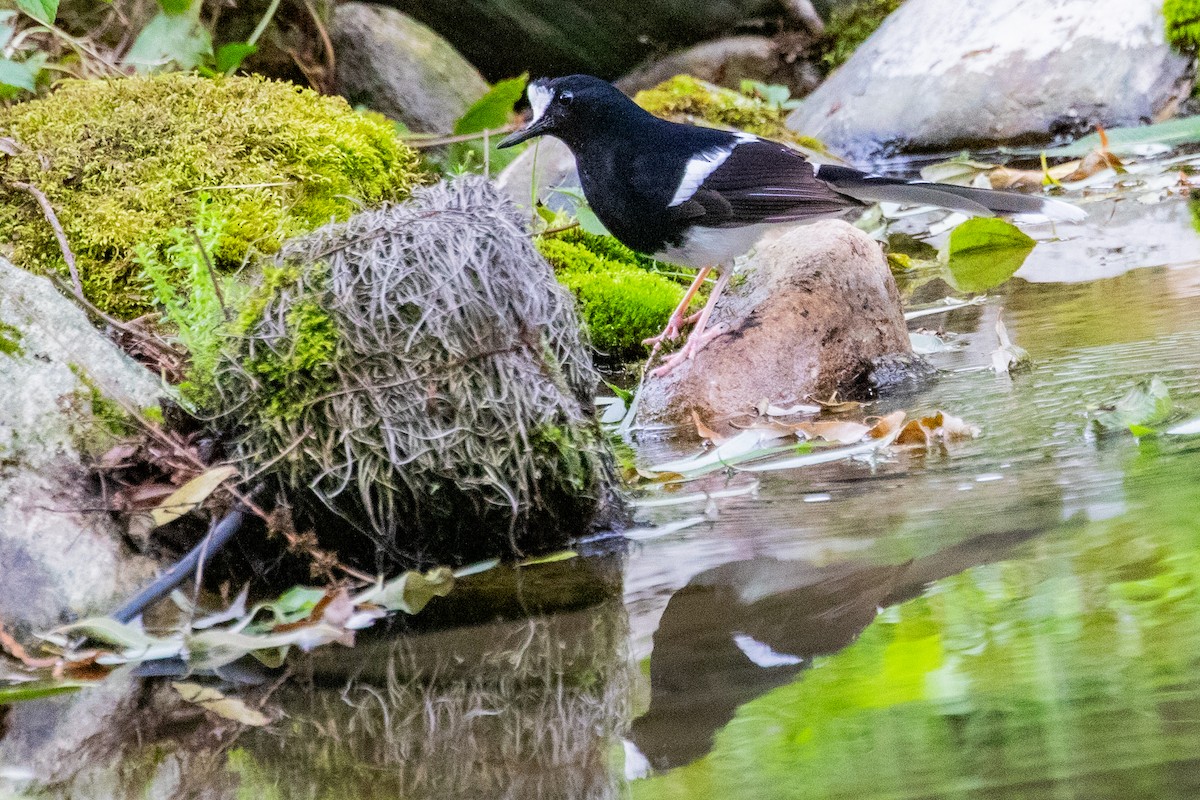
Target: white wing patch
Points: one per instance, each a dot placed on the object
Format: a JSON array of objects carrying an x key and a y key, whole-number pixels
[
  {"x": 539, "y": 98},
  {"x": 762, "y": 654},
  {"x": 701, "y": 166}
]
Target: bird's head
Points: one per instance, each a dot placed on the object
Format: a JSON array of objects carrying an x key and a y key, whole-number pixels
[{"x": 569, "y": 107}]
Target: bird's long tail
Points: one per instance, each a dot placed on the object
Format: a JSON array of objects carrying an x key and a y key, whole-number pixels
[{"x": 981, "y": 202}]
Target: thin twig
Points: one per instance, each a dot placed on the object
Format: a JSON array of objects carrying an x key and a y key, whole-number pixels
[
  {"x": 52, "y": 218},
  {"x": 212, "y": 273},
  {"x": 423, "y": 140},
  {"x": 552, "y": 231},
  {"x": 326, "y": 42}
]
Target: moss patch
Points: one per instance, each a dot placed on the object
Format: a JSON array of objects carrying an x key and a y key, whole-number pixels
[
  {"x": 621, "y": 300},
  {"x": 1183, "y": 23},
  {"x": 850, "y": 25},
  {"x": 687, "y": 99},
  {"x": 10, "y": 340},
  {"x": 122, "y": 162}
]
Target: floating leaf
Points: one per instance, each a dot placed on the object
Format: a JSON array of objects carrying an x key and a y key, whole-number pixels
[
  {"x": 938, "y": 428},
  {"x": 1189, "y": 428},
  {"x": 561, "y": 555},
  {"x": 228, "y": 707},
  {"x": 984, "y": 252},
  {"x": 1008, "y": 357},
  {"x": 748, "y": 443},
  {"x": 413, "y": 590},
  {"x": 190, "y": 495},
  {"x": 1145, "y": 405},
  {"x": 832, "y": 431},
  {"x": 493, "y": 109},
  {"x": 44, "y": 11}
]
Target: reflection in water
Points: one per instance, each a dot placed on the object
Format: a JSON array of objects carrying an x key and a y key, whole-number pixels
[{"x": 744, "y": 628}]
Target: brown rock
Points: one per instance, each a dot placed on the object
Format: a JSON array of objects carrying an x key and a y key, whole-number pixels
[{"x": 817, "y": 309}]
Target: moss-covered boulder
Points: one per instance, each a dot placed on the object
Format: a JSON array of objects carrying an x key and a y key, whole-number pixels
[
  {"x": 125, "y": 161},
  {"x": 420, "y": 372},
  {"x": 623, "y": 297},
  {"x": 1183, "y": 23},
  {"x": 691, "y": 100}
]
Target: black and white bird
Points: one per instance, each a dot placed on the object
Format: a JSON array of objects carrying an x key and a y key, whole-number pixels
[{"x": 701, "y": 197}]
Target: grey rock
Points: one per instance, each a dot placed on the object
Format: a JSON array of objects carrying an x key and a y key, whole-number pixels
[
  {"x": 943, "y": 74},
  {"x": 545, "y": 166},
  {"x": 816, "y": 312},
  {"x": 393, "y": 64},
  {"x": 58, "y": 556},
  {"x": 729, "y": 61}
]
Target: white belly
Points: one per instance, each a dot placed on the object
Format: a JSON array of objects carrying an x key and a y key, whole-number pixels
[{"x": 713, "y": 247}]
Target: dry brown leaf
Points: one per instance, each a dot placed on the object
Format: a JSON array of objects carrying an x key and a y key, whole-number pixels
[
  {"x": 939, "y": 427},
  {"x": 191, "y": 494},
  {"x": 885, "y": 426},
  {"x": 835, "y": 405},
  {"x": 117, "y": 456},
  {"x": 840, "y": 432},
  {"x": 706, "y": 432}
]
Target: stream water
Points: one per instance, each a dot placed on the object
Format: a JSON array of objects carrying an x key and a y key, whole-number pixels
[{"x": 1012, "y": 616}]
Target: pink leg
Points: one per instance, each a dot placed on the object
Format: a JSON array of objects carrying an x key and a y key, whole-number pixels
[
  {"x": 700, "y": 337},
  {"x": 676, "y": 321}
]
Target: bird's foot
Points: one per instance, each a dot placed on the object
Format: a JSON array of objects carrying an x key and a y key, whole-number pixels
[
  {"x": 695, "y": 343},
  {"x": 669, "y": 333}
]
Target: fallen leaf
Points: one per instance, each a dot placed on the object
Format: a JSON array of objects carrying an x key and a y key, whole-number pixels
[
  {"x": 117, "y": 455},
  {"x": 832, "y": 431},
  {"x": 191, "y": 494},
  {"x": 1189, "y": 428},
  {"x": 228, "y": 707},
  {"x": 1008, "y": 357},
  {"x": 413, "y": 590},
  {"x": 985, "y": 252},
  {"x": 835, "y": 405},
  {"x": 938, "y": 428},
  {"x": 1145, "y": 405},
  {"x": 884, "y": 427},
  {"x": 705, "y": 432},
  {"x": 562, "y": 555}
]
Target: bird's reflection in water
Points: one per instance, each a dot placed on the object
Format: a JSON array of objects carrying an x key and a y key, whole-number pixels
[{"x": 741, "y": 629}]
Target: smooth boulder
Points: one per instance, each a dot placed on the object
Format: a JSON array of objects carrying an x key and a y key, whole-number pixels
[
  {"x": 945, "y": 74},
  {"x": 60, "y": 555},
  {"x": 727, "y": 62},
  {"x": 393, "y": 64},
  {"x": 816, "y": 311}
]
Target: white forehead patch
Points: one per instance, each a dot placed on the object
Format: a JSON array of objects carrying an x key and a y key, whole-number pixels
[{"x": 539, "y": 97}]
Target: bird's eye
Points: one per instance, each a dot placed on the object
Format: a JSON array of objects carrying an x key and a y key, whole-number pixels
[{"x": 566, "y": 98}]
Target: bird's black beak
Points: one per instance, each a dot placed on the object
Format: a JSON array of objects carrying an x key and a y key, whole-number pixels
[{"x": 528, "y": 132}]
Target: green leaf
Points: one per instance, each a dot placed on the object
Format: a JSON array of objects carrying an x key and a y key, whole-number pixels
[
  {"x": 230, "y": 56},
  {"x": 984, "y": 252},
  {"x": 180, "y": 40},
  {"x": 493, "y": 109},
  {"x": 1142, "y": 407},
  {"x": 413, "y": 590},
  {"x": 174, "y": 7},
  {"x": 44, "y": 11},
  {"x": 1169, "y": 134},
  {"x": 561, "y": 555},
  {"x": 36, "y": 690},
  {"x": 17, "y": 75}
]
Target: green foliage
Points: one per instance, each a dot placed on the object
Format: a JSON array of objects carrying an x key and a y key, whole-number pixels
[
  {"x": 687, "y": 99},
  {"x": 288, "y": 379},
  {"x": 850, "y": 25},
  {"x": 171, "y": 41},
  {"x": 984, "y": 252},
  {"x": 621, "y": 301},
  {"x": 44, "y": 11},
  {"x": 120, "y": 161},
  {"x": 492, "y": 111},
  {"x": 180, "y": 280},
  {"x": 1183, "y": 23}
]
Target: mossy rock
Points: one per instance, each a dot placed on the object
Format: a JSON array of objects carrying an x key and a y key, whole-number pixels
[
  {"x": 1183, "y": 23},
  {"x": 691, "y": 100},
  {"x": 125, "y": 161},
  {"x": 618, "y": 293},
  {"x": 850, "y": 25},
  {"x": 418, "y": 370}
]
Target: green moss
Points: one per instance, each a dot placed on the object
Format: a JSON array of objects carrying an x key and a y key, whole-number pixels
[
  {"x": 122, "y": 160},
  {"x": 620, "y": 299},
  {"x": 1183, "y": 23},
  {"x": 687, "y": 99},
  {"x": 108, "y": 415},
  {"x": 289, "y": 381},
  {"x": 10, "y": 340},
  {"x": 850, "y": 25}
]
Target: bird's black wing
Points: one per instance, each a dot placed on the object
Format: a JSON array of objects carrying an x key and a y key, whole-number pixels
[{"x": 760, "y": 182}]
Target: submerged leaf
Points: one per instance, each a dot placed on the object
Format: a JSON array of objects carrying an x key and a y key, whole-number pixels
[
  {"x": 938, "y": 428},
  {"x": 36, "y": 690},
  {"x": 413, "y": 590},
  {"x": 228, "y": 707},
  {"x": 1145, "y": 405},
  {"x": 984, "y": 252}
]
